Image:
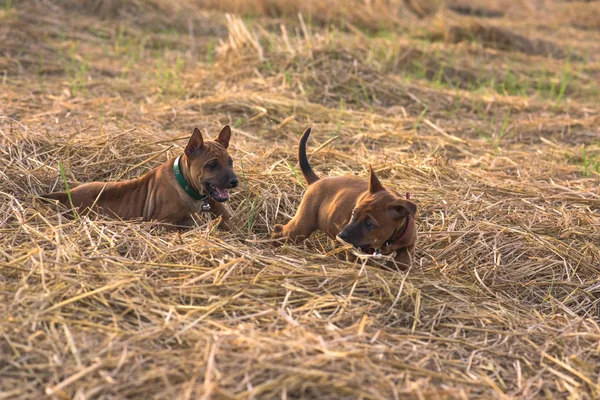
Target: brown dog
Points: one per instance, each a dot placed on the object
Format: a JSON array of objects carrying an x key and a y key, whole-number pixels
[
  {"x": 194, "y": 182},
  {"x": 363, "y": 214}
]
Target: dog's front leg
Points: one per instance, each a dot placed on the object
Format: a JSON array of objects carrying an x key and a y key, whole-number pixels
[
  {"x": 404, "y": 256},
  {"x": 186, "y": 222},
  {"x": 219, "y": 209}
]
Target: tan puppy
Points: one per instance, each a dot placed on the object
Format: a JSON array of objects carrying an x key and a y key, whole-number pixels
[
  {"x": 363, "y": 214},
  {"x": 194, "y": 182}
]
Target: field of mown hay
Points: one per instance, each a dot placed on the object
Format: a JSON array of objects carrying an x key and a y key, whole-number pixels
[{"x": 486, "y": 111}]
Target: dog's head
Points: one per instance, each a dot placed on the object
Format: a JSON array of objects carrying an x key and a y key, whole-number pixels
[
  {"x": 210, "y": 168},
  {"x": 379, "y": 215}
]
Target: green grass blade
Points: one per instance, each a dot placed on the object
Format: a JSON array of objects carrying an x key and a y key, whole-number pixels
[{"x": 64, "y": 178}]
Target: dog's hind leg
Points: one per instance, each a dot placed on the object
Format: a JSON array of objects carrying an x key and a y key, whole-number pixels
[
  {"x": 299, "y": 228},
  {"x": 304, "y": 223},
  {"x": 294, "y": 230}
]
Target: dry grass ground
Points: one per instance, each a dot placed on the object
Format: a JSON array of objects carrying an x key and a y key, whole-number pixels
[{"x": 486, "y": 111}]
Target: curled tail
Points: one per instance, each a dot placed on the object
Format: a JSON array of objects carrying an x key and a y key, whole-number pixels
[
  {"x": 62, "y": 197},
  {"x": 307, "y": 171}
]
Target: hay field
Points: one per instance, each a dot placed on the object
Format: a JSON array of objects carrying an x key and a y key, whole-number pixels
[{"x": 486, "y": 111}]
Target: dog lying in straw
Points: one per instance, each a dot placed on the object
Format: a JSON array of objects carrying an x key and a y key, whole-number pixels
[
  {"x": 196, "y": 181},
  {"x": 364, "y": 214}
]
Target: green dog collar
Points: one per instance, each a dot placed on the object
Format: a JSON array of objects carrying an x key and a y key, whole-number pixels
[{"x": 184, "y": 185}]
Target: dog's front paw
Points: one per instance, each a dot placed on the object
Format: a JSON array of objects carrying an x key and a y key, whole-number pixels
[
  {"x": 278, "y": 234},
  {"x": 277, "y": 231},
  {"x": 225, "y": 225}
]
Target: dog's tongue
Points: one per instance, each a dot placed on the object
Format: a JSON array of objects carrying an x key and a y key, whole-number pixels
[{"x": 223, "y": 193}]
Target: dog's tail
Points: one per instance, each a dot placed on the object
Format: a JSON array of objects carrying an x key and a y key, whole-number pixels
[
  {"x": 62, "y": 197},
  {"x": 307, "y": 171}
]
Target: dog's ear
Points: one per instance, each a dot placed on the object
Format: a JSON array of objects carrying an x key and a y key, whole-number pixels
[
  {"x": 224, "y": 136},
  {"x": 196, "y": 142},
  {"x": 374, "y": 184},
  {"x": 402, "y": 209}
]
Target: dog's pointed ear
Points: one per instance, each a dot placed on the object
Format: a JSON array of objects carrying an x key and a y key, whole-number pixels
[
  {"x": 224, "y": 136},
  {"x": 195, "y": 143},
  {"x": 374, "y": 184},
  {"x": 402, "y": 209}
]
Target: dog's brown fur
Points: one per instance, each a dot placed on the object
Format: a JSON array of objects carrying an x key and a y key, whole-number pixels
[
  {"x": 363, "y": 214},
  {"x": 157, "y": 196}
]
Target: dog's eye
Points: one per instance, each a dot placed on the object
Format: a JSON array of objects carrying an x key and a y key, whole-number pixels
[
  {"x": 369, "y": 224},
  {"x": 212, "y": 165},
  {"x": 230, "y": 162}
]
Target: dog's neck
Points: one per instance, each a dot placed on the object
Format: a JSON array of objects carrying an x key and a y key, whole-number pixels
[{"x": 184, "y": 166}]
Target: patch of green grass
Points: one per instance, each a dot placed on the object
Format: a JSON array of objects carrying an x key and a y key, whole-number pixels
[
  {"x": 288, "y": 78},
  {"x": 249, "y": 19},
  {"x": 211, "y": 51},
  {"x": 364, "y": 91},
  {"x": 296, "y": 173},
  {"x": 64, "y": 178},
  {"x": 268, "y": 65},
  {"x": 543, "y": 75},
  {"x": 589, "y": 163},
  {"x": 168, "y": 77},
  {"x": 381, "y": 33},
  {"x": 238, "y": 122},
  {"x": 420, "y": 117},
  {"x": 456, "y": 100},
  {"x": 332, "y": 36},
  {"x": 438, "y": 79},
  {"x": 493, "y": 138},
  {"x": 554, "y": 86},
  {"x": 564, "y": 83},
  {"x": 9, "y": 4},
  {"x": 344, "y": 12},
  {"x": 489, "y": 137},
  {"x": 420, "y": 70},
  {"x": 77, "y": 71},
  {"x": 129, "y": 66},
  {"x": 98, "y": 33},
  {"x": 119, "y": 43},
  {"x": 502, "y": 131},
  {"x": 510, "y": 84},
  {"x": 129, "y": 45}
]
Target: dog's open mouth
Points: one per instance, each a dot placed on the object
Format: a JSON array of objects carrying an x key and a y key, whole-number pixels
[{"x": 219, "y": 194}]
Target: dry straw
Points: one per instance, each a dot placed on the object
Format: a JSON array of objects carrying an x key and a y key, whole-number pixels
[{"x": 501, "y": 302}]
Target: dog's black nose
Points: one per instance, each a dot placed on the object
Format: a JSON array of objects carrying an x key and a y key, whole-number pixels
[
  {"x": 343, "y": 235},
  {"x": 234, "y": 182}
]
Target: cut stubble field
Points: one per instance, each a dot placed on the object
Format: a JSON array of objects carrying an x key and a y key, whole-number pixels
[{"x": 486, "y": 111}]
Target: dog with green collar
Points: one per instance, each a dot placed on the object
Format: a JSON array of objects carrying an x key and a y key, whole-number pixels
[{"x": 196, "y": 181}]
